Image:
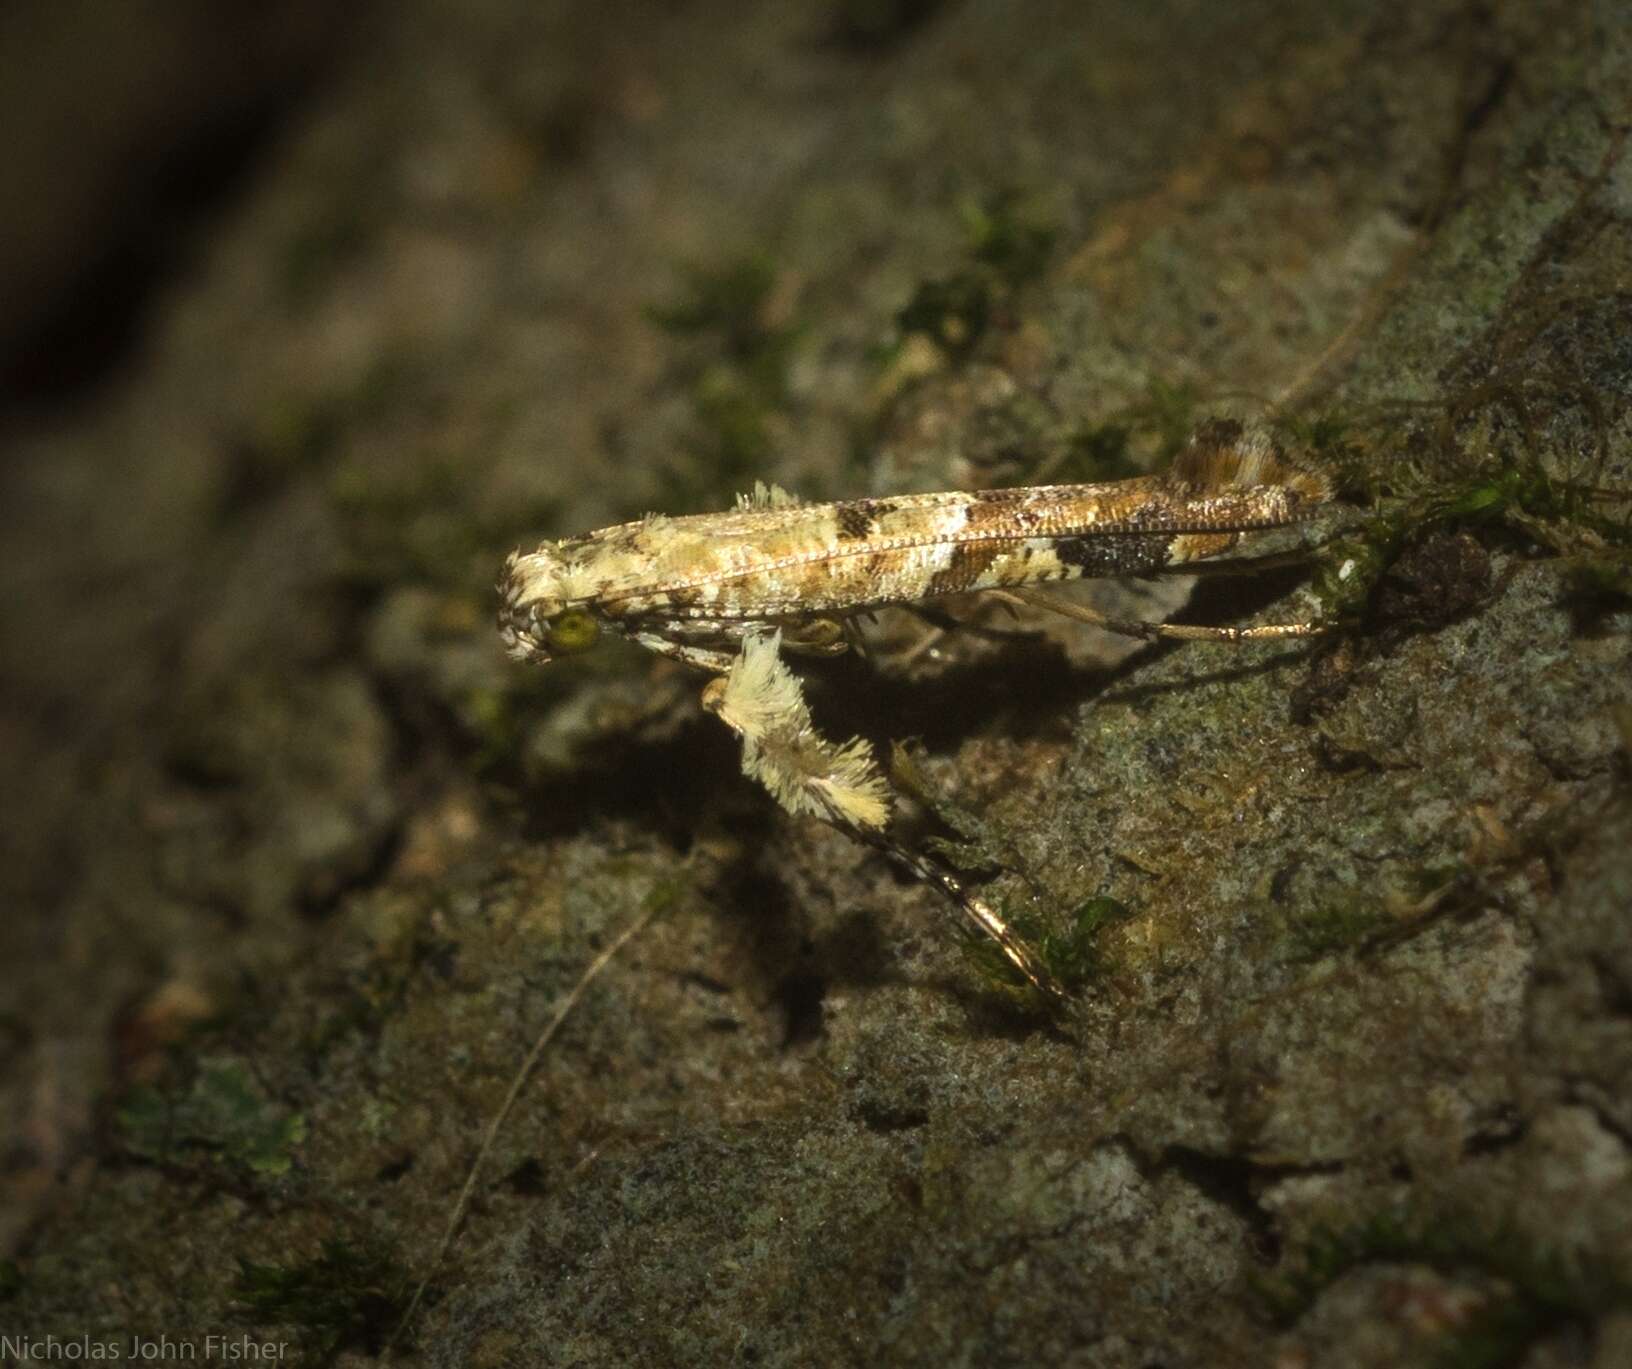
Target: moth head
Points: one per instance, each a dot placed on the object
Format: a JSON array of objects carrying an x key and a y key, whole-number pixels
[{"x": 537, "y": 619}]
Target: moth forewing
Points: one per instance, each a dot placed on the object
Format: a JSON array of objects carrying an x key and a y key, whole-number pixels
[{"x": 779, "y": 562}]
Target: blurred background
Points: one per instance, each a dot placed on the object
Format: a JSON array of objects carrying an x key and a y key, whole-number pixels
[{"x": 128, "y": 125}]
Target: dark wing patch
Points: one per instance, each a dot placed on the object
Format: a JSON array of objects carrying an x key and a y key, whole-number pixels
[
  {"x": 1117, "y": 554},
  {"x": 968, "y": 562},
  {"x": 856, "y": 520}
]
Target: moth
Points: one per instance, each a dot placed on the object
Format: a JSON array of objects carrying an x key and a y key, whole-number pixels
[{"x": 734, "y": 593}]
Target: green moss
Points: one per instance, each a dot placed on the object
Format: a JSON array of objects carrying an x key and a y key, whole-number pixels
[
  {"x": 1170, "y": 411},
  {"x": 1010, "y": 234},
  {"x": 727, "y": 301},
  {"x": 1507, "y": 499},
  {"x": 1603, "y": 581},
  {"x": 1326, "y": 433},
  {"x": 221, "y": 1116},
  {"x": 1095, "y": 454},
  {"x": 741, "y": 343},
  {"x": 350, "y": 1297},
  {"x": 295, "y": 431},
  {"x": 11, "y": 1280},
  {"x": 1593, "y": 533},
  {"x": 1542, "y": 1290},
  {"x": 415, "y": 526},
  {"x": 1329, "y": 1254},
  {"x": 952, "y": 311},
  {"x": 1164, "y": 416},
  {"x": 1009, "y": 244},
  {"x": 1066, "y": 943},
  {"x": 1348, "y": 569},
  {"x": 373, "y": 994},
  {"x": 733, "y": 423},
  {"x": 1122, "y": 443},
  {"x": 1475, "y": 463},
  {"x": 495, "y": 719},
  {"x": 335, "y": 236},
  {"x": 1336, "y": 926},
  {"x": 733, "y": 312}
]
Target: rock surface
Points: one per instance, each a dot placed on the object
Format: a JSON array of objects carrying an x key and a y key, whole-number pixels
[{"x": 297, "y": 865}]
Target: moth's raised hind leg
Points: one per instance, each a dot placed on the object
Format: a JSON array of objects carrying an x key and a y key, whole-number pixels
[
  {"x": 948, "y": 623},
  {"x": 986, "y": 919},
  {"x": 939, "y": 625},
  {"x": 1150, "y": 632},
  {"x": 760, "y": 700}
]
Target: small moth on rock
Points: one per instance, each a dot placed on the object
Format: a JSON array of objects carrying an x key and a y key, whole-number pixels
[{"x": 732, "y": 593}]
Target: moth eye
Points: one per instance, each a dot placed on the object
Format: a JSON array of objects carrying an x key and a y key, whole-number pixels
[{"x": 572, "y": 630}]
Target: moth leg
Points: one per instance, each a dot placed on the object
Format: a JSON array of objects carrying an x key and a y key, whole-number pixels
[
  {"x": 948, "y": 624},
  {"x": 936, "y": 629},
  {"x": 761, "y": 700},
  {"x": 939, "y": 625},
  {"x": 1151, "y": 632},
  {"x": 817, "y": 637},
  {"x": 986, "y": 919},
  {"x": 715, "y": 660},
  {"x": 852, "y": 634}
]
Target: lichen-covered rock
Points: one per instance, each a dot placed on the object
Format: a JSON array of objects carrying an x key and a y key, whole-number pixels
[{"x": 296, "y": 867}]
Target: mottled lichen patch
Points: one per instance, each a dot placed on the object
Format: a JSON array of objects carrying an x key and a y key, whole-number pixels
[{"x": 221, "y": 1116}]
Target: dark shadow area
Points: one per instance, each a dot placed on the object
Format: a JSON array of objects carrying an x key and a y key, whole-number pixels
[
  {"x": 188, "y": 117},
  {"x": 660, "y": 786}
]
